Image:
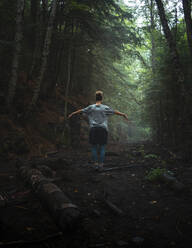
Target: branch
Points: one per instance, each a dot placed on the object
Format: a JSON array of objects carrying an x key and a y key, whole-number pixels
[{"x": 31, "y": 241}]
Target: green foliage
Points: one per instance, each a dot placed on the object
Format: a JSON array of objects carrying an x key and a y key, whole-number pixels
[
  {"x": 155, "y": 174},
  {"x": 151, "y": 156},
  {"x": 74, "y": 5},
  {"x": 163, "y": 104}
]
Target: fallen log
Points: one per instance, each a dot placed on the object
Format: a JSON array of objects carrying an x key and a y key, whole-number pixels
[
  {"x": 112, "y": 154},
  {"x": 51, "y": 154},
  {"x": 118, "y": 168},
  {"x": 63, "y": 211},
  {"x": 113, "y": 207},
  {"x": 21, "y": 242}
]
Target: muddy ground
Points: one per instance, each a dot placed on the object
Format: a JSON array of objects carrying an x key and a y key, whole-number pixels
[{"x": 148, "y": 214}]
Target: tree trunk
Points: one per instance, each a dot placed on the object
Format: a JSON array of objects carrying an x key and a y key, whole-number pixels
[
  {"x": 37, "y": 34},
  {"x": 63, "y": 211},
  {"x": 45, "y": 54},
  {"x": 18, "y": 44},
  {"x": 68, "y": 79},
  {"x": 34, "y": 9},
  {"x": 61, "y": 56},
  {"x": 150, "y": 6},
  {"x": 188, "y": 21},
  {"x": 45, "y": 4},
  {"x": 70, "y": 49},
  {"x": 178, "y": 89},
  {"x": 171, "y": 43},
  {"x": 175, "y": 21}
]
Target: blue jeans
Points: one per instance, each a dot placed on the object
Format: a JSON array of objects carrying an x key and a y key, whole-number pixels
[{"x": 98, "y": 149}]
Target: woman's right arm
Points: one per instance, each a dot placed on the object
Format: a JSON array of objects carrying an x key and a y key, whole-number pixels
[
  {"x": 74, "y": 113},
  {"x": 121, "y": 114}
]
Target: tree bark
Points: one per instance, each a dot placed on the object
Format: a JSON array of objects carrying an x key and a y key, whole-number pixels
[
  {"x": 45, "y": 54},
  {"x": 45, "y": 10},
  {"x": 37, "y": 33},
  {"x": 171, "y": 43},
  {"x": 61, "y": 56},
  {"x": 70, "y": 49},
  {"x": 18, "y": 45},
  {"x": 68, "y": 79},
  {"x": 152, "y": 28},
  {"x": 188, "y": 21},
  {"x": 34, "y": 9},
  {"x": 175, "y": 21},
  {"x": 63, "y": 211}
]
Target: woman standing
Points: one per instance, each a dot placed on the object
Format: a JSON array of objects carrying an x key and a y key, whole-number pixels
[{"x": 98, "y": 121}]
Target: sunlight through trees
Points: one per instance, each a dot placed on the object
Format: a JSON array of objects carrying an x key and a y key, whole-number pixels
[{"x": 137, "y": 52}]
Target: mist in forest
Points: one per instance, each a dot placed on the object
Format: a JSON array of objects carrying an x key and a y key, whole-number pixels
[{"x": 138, "y": 53}]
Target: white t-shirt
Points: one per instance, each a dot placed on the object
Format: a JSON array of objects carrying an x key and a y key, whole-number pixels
[{"x": 98, "y": 115}]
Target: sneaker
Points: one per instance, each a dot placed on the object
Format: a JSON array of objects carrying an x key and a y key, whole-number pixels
[
  {"x": 100, "y": 167},
  {"x": 96, "y": 166}
]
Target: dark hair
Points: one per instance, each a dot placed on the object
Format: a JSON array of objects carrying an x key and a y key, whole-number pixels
[{"x": 99, "y": 95}]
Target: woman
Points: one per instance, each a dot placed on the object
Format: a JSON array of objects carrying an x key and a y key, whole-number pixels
[{"x": 98, "y": 121}]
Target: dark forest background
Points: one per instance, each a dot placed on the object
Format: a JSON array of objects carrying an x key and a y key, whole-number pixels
[{"x": 55, "y": 54}]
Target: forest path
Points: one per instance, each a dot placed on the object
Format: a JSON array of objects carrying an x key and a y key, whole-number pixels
[{"x": 119, "y": 207}]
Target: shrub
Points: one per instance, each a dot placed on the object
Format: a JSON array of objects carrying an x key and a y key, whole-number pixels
[{"x": 156, "y": 173}]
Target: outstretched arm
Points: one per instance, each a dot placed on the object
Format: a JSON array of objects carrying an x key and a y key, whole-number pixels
[
  {"x": 121, "y": 114},
  {"x": 74, "y": 113}
]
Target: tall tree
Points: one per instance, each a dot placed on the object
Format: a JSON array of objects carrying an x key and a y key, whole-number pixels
[
  {"x": 188, "y": 21},
  {"x": 171, "y": 42},
  {"x": 150, "y": 6},
  {"x": 16, "y": 55},
  {"x": 68, "y": 77},
  {"x": 158, "y": 118},
  {"x": 37, "y": 34},
  {"x": 45, "y": 54},
  {"x": 169, "y": 37}
]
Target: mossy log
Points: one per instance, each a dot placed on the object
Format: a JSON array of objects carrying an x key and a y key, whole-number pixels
[{"x": 63, "y": 211}]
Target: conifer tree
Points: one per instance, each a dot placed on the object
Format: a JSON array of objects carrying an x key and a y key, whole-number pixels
[{"x": 17, "y": 51}]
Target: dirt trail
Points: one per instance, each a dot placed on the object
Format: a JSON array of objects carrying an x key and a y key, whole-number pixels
[{"x": 119, "y": 208}]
